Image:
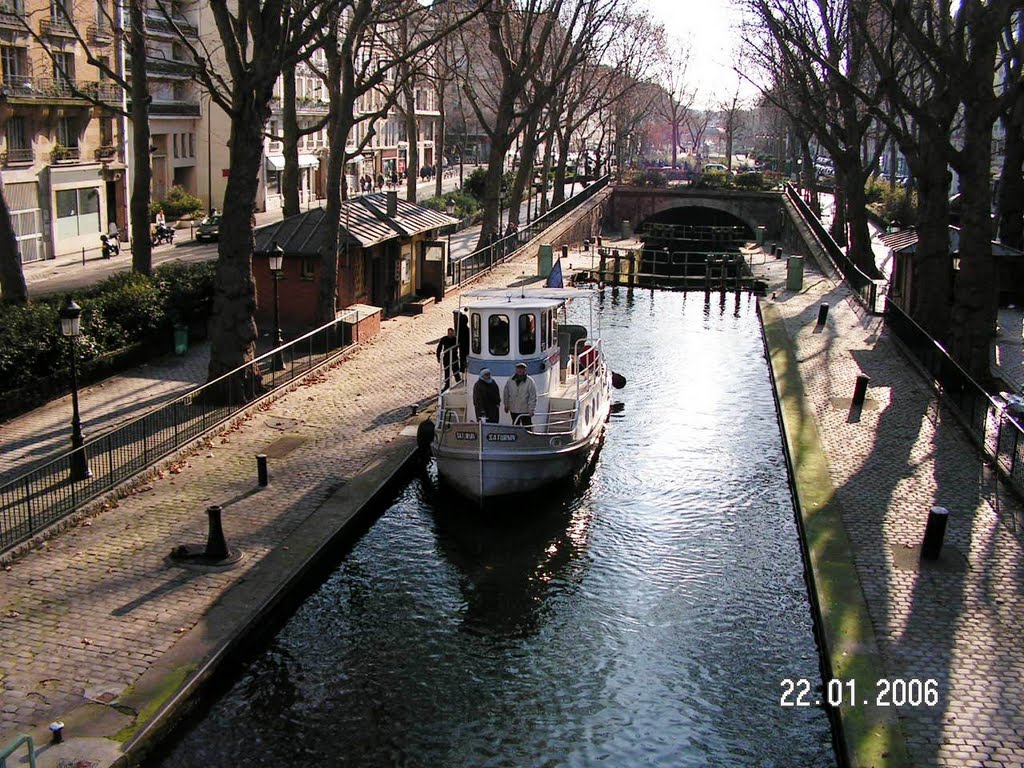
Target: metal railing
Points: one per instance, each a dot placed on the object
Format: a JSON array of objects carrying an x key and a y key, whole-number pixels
[
  {"x": 870, "y": 290},
  {"x": 14, "y": 746},
  {"x": 48, "y": 493},
  {"x": 483, "y": 259},
  {"x": 998, "y": 435}
]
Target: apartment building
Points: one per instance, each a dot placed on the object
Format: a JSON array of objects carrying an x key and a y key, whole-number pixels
[
  {"x": 174, "y": 112},
  {"x": 61, "y": 150}
]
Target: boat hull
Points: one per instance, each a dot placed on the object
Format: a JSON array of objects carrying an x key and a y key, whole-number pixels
[{"x": 506, "y": 473}]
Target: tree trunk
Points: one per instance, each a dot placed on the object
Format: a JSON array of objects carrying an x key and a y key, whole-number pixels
[
  {"x": 232, "y": 327},
  {"x": 440, "y": 139},
  {"x": 932, "y": 270},
  {"x": 524, "y": 174},
  {"x": 290, "y": 134},
  {"x": 558, "y": 190},
  {"x": 859, "y": 251},
  {"x": 1011, "y": 181},
  {"x": 142, "y": 244},
  {"x": 12, "y": 278}
]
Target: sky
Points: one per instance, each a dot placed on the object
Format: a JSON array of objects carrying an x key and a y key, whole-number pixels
[{"x": 710, "y": 28}]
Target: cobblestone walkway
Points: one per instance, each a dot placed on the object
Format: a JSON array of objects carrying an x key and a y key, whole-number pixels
[
  {"x": 961, "y": 624},
  {"x": 84, "y": 615}
]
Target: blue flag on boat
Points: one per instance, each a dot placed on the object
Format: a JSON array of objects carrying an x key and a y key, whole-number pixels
[{"x": 555, "y": 278}]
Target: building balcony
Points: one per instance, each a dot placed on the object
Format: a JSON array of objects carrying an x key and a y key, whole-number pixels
[
  {"x": 100, "y": 34},
  {"x": 173, "y": 109},
  {"x": 56, "y": 26},
  {"x": 12, "y": 16},
  {"x": 159, "y": 25},
  {"x": 41, "y": 90},
  {"x": 17, "y": 157},
  {"x": 65, "y": 155},
  {"x": 157, "y": 67}
]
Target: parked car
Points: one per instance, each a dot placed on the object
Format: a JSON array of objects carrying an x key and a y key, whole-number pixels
[
  {"x": 209, "y": 228},
  {"x": 715, "y": 167}
]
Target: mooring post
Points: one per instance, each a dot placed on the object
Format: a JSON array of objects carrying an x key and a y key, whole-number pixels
[
  {"x": 822, "y": 313},
  {"x": 216, "y": 544},
  {"x": 860, "y": 389},
  {"x": 615, "y": 255},
  {"x": 602, "y": 265},
  {"x": 934, "y": 533},
  {"x": 261, "y": 470}
]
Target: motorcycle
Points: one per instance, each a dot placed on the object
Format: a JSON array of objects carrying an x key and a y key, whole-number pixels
[
  {"x": 163, "y": 234},
  {"x": 110, "y": 247}
]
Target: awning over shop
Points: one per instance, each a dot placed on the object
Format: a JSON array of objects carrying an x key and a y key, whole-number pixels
[{"x": 276, "y": 162}]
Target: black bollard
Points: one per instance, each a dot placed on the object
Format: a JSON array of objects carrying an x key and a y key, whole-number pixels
[
  {"x": 934, "y": 533},
  {"x": 216, "y": 544},
  {"x": 261, "y": 470},
  {"x": 860, "y": 389},
  {"x": 586, "y": 246},
  {"x": 778, "y": 252},
  {"x": 823, "y": 313},
  {"x": 565, "y": 252},
  {"x": 56, "y": 732}
]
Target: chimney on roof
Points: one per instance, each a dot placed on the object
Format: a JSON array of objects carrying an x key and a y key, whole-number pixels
[{"x": 392, "y": 209}]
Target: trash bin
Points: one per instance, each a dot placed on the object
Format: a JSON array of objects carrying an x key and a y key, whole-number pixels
[
  {"x": 759, "y": 234},
  {"x": 627, "y": 229},
  {"x": 544, "y": 260},
  {"x": 795, "y": 273},
  {"x": 180, "y": 339}
]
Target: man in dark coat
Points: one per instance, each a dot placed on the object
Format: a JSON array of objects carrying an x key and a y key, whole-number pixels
[
  {"x": 462, "y": 324},
  {"x": 486, "y": 397},
  {"x": 448, "y": 357}
]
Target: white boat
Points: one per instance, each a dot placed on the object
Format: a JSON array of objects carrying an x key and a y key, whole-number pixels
[{"x": 506, "y": 327}]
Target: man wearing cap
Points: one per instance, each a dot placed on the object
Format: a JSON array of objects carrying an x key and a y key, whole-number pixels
[
  {"x": 521, "y": 397},
  {"x": 486, "y": 397}
]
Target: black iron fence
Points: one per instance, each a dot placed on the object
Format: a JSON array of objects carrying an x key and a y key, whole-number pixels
[
  {"x": 502, "y": 248},
  {"x": 998, "y": 434},
  {"x": 46, "y": 494},
  {"x": 871, "y": 290}
]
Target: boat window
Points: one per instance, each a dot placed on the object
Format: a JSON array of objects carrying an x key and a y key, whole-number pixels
[
  {"x": 554, "y": 327},
  {"x": 545, "y": 329},
  {"x": 497, "y": 334},
  {"x": 475, "y": 332},
  {"x": 527, "y": 334}
]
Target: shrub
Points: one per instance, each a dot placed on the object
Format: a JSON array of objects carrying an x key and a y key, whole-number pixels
[
  {"x": 179, "y": 204},
  {"x": 749, "y": 180},
  {"x": 123, "y": 310},
  {"x": 649, "y": 177},
  {"x": 187, "y": 290},
  {"x": 893, "y": 206},
  {"x": 714, "y": 180},
  {"x": 465, "y": 205}
]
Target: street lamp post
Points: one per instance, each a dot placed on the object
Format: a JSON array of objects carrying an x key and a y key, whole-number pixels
[
  {"x": 276, "y": 260},
  {"x": 71, "y": 327}
]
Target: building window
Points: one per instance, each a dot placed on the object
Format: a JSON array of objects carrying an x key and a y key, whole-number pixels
[
  {"x": 16, "y": 137},
  {"x": 175, "y": 145},
  {"x": 308, "y": 269},
  {"x": 191, "y": 145},
  {"x": 78, "y": 212},
  {"x": 106, "y": 131},
  {"x": 64, "y": 70},
  {"x": 67, "y": 132},
  {"x": 13, "y": 60}
]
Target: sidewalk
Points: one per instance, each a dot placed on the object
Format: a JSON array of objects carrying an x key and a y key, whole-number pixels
[
  {"x": 957, "y": 621},
  {"x": 97, "y": 623}
]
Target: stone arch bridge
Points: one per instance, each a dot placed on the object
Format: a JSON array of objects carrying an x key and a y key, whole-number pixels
[{"x": 685, "y": 205}]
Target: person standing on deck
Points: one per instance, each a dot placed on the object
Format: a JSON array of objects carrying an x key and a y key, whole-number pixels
[
  {"x": 521, "y": 397},
  {"x": 486, "y": 397},
  {"x": 448, "y": 357}
]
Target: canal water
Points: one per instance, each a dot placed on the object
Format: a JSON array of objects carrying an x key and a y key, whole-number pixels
[{"x": 645, "y": 617}]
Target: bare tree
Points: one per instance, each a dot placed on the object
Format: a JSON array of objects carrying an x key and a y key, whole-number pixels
[{"x": 680, "y": 94}]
